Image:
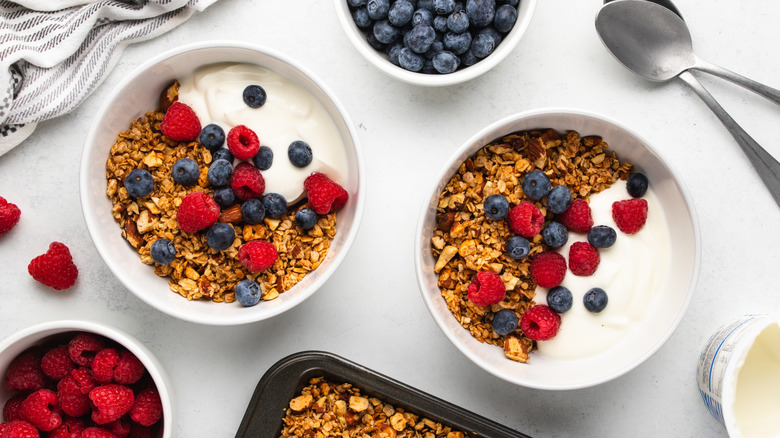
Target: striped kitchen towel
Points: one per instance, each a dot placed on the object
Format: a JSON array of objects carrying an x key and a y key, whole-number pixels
[{"x": 54, "y": 53}]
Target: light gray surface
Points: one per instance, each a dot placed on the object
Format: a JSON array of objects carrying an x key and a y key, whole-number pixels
[{"x": 370, "y": 311}]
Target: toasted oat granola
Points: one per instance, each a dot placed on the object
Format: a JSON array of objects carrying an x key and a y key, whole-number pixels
[
  {"x": 327, "y": 409},
  {"x": 465, "y": 241},
  {"x": 199, "y": 272}
]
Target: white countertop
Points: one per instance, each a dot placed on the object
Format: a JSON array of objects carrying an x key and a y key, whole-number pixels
[{"x": 370, "y": 311}]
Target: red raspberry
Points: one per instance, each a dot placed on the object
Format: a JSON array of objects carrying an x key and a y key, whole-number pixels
[
  {"x": 196, "y": 212},
  {"x": 630, "y": 215},
  {"x": 128, "y": 369},
  {"x": 180, "y": 123},
  {"x": 120, "y": 427},
  {"x": 540, "y": 323},
  {"x": 583, "y": 258},
  {"x": 71, "y": 427},
  {"x": 138, "y": 431},
  {"x": 147, "y": 409},
  {"x": 97, "y": 432},
  {"x": 548, "y": 269},
  {"x": 257, "y": 255},
  {"x": 83, "y": 347},
  {"x": 110, "y": 402},
  {"x": 24, "y": 373},
  {"x": 525, "y": 219},
  {"x": 324, "y": 194},
  {"x": 73, "y": 401},
  {"x": 35, "y": 409},
  {"x": 84, "y": 378},
  {"x": 12, "y": 409},
  {"x": 9, "y": 215},
  {"x": 243, "y": 142},
  {"x": 486, "y": 288},
  {"x": 103, "y": 365},
  {"x": 18, "y": 429},
  {"x": 577, "y": 217},
  {"x": 55, "y": 268},
  {"x": 247, "y": 182},
  {"x": 56, "y": 363}
]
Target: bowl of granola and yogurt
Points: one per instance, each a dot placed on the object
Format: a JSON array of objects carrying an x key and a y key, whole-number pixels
[
  {"x": 557, "y": 249},
  {"x": 221, "y": 183}
]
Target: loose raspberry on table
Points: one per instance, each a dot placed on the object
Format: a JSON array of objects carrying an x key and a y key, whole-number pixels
[
  {"x": 97, "y": 432},
  {"x": 324, "y": 194},
  {"x": 56, "y": 363},
  {"x": 36, "y": 409},
  {"x": 24, "y": 373},
  {"x": 12, "y": 409},
  {"x": 243, "y": 142},
  {"x": 196, "y": 212},
  {"x": 147, "y": 408},
  {"x": 257, "y": 255},
  {"x": 583, "y": 258},
  {"x": 18, "y": 429},
  {"x": 129, "y": 369},
  {"x": 73, "y": 401},
  {"x": 548, "y": 269},
  {"x": 630, "y": 215},
  {"x": 110, "y": 402},
  {"x": 103, "y": 365},
  {"x": 180, "y": 123},
  {"x": 486, "y": 288},
  {"x": 83, "y": 348},
  {"x": 247, "y": 182},
  {"x": 55, "y": 268},
  {"x": 9, "y": 215},
  {"x": 525, "y": 219},
  {"x": 577, "y": 217},
  {"x": 540, "y": 323}
]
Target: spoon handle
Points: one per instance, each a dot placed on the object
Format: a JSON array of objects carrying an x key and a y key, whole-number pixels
[
  {"x": 768, "y": 167},
  {"x": 770, "y": 93}
]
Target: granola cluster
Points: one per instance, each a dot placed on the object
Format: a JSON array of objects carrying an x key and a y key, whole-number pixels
[
  {"x": 327, "y": 409},
  {"x": 465, "y": 241},
  {"x": 199, "y": 272}
]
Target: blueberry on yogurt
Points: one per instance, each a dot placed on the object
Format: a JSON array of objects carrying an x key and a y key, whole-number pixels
[{"x": 254, "y": 96}]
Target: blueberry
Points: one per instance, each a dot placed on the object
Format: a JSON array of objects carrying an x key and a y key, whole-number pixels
[
  {"x": 162, "y": 251},
  {"x": 595, "y": 300},
  {"x": 139, "y": 183},
  {"x": 375, "y": 43},
  {"x": 505, "y": 18},
  {"x": 252, "y": 211},
  {"x": 220, "y": 236},
  {"x": 362, "y": 20},
  {"x": 482, "y": 45},
  {"x": 425, "y": 4},
  {"x": 458, "y": 21},
  {"x": 511, "y": 2},
  {"x": 385, "y": 32},
  {"x": 185, "y": 171},
  {"x": 468, "y": 58},
  {"x": 306, "y": 218},
  {"x": 555, "y": 235},
  {"x": 559, "y": 299},
  {"x": 393, "y": 51},
  {"x": 481, "y": 12},
  {"x": 602, "y": 236},
  {"x": 504, "y": 322},
  {"x": 559, "y": 199},
  {"x": 254, "y": 96},
  {"x": 420, "y": 38},
  {"x": 637, "y": 185},
  {"x": 446, "y": 62},
  {"x": 275, "y": 205},
  {"x": 457, "y": 43},
  {"x": 220, "y": 172},
  {"x": 518, "y": 247},
  {"x": 436, "y": 48},
  {"x": 222, "y": 154},
  {"x": 497, "y": 38},
  {"x": 443, "y": 7},
  {"x": 409, "y": 60},
  {"x": 496, "y": 207},
  {"x": 299, "y": 153},
  {"x": 248, "y": 292},
  {"x": 400, "y": 12},
  {"x": 212, "y": 137},
  {"x": 440, "y": 24},
  {"x": 378, "y": 9},
  {"x": 535, "y": 184},
  {"x": 224, "y": 197},
  {"x": 356, "y": 3},
  {"x": 428, "y": 67},
  {"x": 422, "y": 16}
]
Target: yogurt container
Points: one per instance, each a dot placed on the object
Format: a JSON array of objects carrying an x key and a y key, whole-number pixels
[{"x": 739, "y": 376}]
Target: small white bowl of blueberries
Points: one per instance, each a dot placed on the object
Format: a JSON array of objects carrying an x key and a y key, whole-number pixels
[{"x": 435, "y": 42}]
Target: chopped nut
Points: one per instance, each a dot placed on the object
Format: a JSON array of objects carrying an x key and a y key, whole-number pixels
[
  {"x": 446, "y": 255},
  {"x": 358, "y": 404},
  {"x": 301, "y": 402}
]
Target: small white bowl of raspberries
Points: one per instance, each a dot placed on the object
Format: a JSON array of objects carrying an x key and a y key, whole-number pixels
[{"x": 82, "y": 378}]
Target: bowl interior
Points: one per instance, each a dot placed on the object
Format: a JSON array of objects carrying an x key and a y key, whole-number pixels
[
  {"x": 139, "y": 94},
  {"x": 546, "y": 373},
  {"x": 379, "y": 59}
]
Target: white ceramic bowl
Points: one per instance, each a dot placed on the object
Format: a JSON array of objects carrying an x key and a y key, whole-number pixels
[
  {"x": 138, "y": 94},
  {"x": 381, "y": 61},
  {"x": 61, "y": 331},
  {"x": 542, "y": 372}
]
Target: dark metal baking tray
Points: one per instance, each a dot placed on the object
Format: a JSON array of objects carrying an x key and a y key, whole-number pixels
[{"x": 285, "y": 379}]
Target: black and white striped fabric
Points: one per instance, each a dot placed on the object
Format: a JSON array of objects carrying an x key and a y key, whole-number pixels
[{"x": 54, "y": 53}]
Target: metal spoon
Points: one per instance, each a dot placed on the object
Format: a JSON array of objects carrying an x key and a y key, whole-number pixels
[
  {"x": 646, "y": 38},
  {"x": 665, "y": 3}
]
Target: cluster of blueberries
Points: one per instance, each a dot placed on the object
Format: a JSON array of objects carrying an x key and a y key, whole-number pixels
[{"x": 434, "y": 36}]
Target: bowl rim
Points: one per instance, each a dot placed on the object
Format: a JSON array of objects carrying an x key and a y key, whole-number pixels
[
  {"x": 458, "y": 155},
  {"x": 249, "y": 316},
  {"x": 435, "y": 80}
]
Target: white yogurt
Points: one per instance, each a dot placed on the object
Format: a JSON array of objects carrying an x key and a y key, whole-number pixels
[
  {"x": 290, "y": 113},
  {"x": 632, "y": 272}
]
